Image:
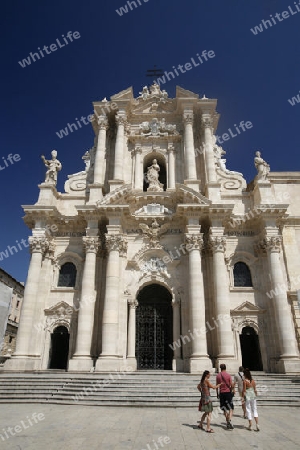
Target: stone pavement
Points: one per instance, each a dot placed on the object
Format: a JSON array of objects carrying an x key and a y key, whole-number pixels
[{"x": 68, "y": 427}]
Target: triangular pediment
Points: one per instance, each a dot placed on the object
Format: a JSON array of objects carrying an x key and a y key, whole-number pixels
[
  {"x": 248, "y": 308},
  {"x": 184, "y": 93},
  {"x": 127, "y": 94}
]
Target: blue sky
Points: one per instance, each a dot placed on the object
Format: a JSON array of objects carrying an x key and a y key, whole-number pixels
[{"x": 252, "y": 76}]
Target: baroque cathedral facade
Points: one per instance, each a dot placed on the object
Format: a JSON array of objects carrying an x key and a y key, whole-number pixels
[{"x": 158, "y": 257}]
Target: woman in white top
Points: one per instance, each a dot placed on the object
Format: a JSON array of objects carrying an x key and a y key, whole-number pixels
[{"x": 250, "y": 394}]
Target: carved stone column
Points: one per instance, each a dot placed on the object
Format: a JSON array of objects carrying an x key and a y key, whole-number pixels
[
  {"x": 171, "y": 167},
  {"x": 133, "y": 304},
  {"x": 289, "y": 355},
  {"x": 109, "y": 358},
  {"x": 119, "y": 149},
  {"x": 222, "y": 303},
  {"x": 177, "y": 359},
  {"x": 22, "y": 359},
  {"x": 81, "y": 359},
  {"x": 199, "y": 359},
  {"x": 207, "y": 124},
  {"x": 189, "y": 147},
  {"x": 138, "y": 169},
  {"x": 100, "y": 152}
]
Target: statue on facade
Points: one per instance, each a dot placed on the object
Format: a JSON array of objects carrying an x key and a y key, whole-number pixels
[
  {"x": 220, "y": 161},
  {"x": 152, "y": 177},
  {"x": 53, "y": 166},
  {"x": 262, "y": 167}
]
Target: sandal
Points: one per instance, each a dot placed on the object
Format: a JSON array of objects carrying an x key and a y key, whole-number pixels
[
  {"x": 210, "y": 431},
  {"x": 201, "y": 427}
]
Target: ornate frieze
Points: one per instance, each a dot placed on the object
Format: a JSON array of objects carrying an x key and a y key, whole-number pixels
[{"x": 157, "y": 128}]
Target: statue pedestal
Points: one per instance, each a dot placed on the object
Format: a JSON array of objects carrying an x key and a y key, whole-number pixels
[
  {"x": 96, "y": 193},
  {"x": 48, "y": 194}
]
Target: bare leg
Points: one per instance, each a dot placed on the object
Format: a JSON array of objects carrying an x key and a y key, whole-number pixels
[
  {"x": 202, "y": 419},
  {"x": 208, "y": 421}
]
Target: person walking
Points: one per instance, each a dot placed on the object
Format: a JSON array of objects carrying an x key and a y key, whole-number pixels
[
  {"x": 226, "y": 394},
  {"x": 239, "y": 380},
  {"x": 205, "y": 404},
  {"x": 250, "y": 394}
]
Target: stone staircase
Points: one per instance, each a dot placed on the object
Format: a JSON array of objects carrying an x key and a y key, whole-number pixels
[{"x": 148, "y": 388}]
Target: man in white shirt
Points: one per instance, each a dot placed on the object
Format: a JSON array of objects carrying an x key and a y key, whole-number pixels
[{"x": 238, "y": 379}]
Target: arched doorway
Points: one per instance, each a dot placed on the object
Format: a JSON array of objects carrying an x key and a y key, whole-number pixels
[
  {"x": 250, "y": 348},
  {"x": 154, "y": 328},
  {"x": 59, "y": 348}
]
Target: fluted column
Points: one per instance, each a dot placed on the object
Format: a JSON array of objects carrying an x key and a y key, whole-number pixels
[
  {"x": 100, "y": 151},
  {"x": 119, "y": 149},
  {"x": 189, "y": 147},
  {"x": 21, "y": 359},
  {"x": 207, "y": 124},
  {"x": 283, "y": 316},
  {"x": 133, "y": 304},
  {"x": 171, "y": 167},
  {"x": 81, "y": 359},
  {"x": 138, "y": 169},
  {"x": 222, "y": 302},
  {"x": 115, "y": 245},
  {"x": 199, "y": 358}
]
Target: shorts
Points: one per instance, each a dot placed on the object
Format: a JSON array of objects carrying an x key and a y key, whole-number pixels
[{"x": 226, "y": 400}]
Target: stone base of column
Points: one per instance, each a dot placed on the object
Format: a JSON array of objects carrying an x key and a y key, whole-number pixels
[
  {"x": 109, "y": 364},
  {"x": 22, "y": 363},
  {"x": 130, "y": 363},
  {"x": 232, "y": 364},
  {"x": 115, "y": 184},
  {"x": 96, "y": 193},
  {"x": 177, "y": 365},
  {"x": 80, "y": 364},
  {"x": 288, "y": 365},
  {"x": 200, "y": 364},
  {"x": 192, "y": 184},
  {"x": 212, "y": 191}
]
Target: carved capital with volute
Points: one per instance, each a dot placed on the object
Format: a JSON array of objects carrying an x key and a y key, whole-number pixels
[
  {"x": 91, "y": 244},
  {"x": 116, "y": 242},
  {"x": 133, "y": 303},
  {"x": 193, "y": 241},
  {"x": 217, "y": 243},
  {"x": 38, "y": 244},
  {"x": 103, "y": 122}
]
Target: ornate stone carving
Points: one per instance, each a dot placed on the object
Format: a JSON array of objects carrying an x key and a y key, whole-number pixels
[
  {"x": 194, "y": 240},
  {"x": 102, "y": 122},
  {"x": 219, "y": 161},
  {"x": 262, "y": 167},
  {"x": 272, "y": 243},
  {"x": 121, "y": 120},
  {"x": 38, "y": 244},
  {"x": 53, "y": 166},
  {"x": 116, "y": 242},
  {"x": 217, "y": 243},
  {"x": 188, "y": 119},
  {"x": 155, "y": 93},
  {"x": 76, "y": 182},
  {"x": 207, "y": 122},
  {"x": 49, "y": 249},
  {"x": 154, "y": 231},
  {"x": 153, "y": 209},
  {"x": 157, "y": 128},
  {"x": 91, "y": 244},
  {"x": 152, "y": 177}
]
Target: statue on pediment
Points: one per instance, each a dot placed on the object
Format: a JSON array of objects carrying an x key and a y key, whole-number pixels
[
  {"x": 53, "y": 166},
  {"x": 262, "y": 167}
]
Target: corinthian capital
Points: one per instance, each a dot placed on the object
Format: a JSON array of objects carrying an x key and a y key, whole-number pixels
[
  {"x": 38, "y": 244},
  {"x": 103, "y": 122},
  {"x": 133, "y": 303},
  {"x": 217, "y": 243},
  {"x": 121, "y": 119},
  {"x": 207, "y": 121},
  {"x": 49, "y": 249},
  {"x": 116, "y": 242},
  {"x": 188, "y": 119},
  {"x": 194, "y": 241},
  {"x": 91, "y": 244},
  {"x": 272, "y": 243}
]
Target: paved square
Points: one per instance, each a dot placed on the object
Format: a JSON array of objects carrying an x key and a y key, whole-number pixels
[{"x": 74, "y": 427}]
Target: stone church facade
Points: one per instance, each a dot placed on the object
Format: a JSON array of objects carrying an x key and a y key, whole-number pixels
[{"x": 157, "y": 256}]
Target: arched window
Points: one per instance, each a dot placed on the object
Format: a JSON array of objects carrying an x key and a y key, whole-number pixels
[
  {"x": 67, "y": 275},
  {"x": 242, "y": 275}
]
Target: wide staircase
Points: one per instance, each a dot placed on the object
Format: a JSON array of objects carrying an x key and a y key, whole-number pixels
[{"x": 159, "y": 389}]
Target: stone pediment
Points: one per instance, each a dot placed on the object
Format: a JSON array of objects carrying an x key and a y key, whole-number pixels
[
  {"x": 184, "y": 93},
  {"x": 188, "y": 196},
  {"x": 127, "y": 94},
  {"x": 116, "y": 197},
  {"x": 247, "y": 308},
  {"x": 60, "y": 309}
]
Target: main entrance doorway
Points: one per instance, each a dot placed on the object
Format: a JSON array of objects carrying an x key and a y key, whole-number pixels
[
  {"x": 59, "y": 348},
  {"x": 154, "y": 328},
  {"x": 251, "y": 356}
]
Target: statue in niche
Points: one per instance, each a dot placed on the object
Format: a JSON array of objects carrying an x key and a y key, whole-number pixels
[
  {"x": 53, "y": 166},
  {"x": 262, "y": 167},
  {"x": 152, "y": 177}
]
